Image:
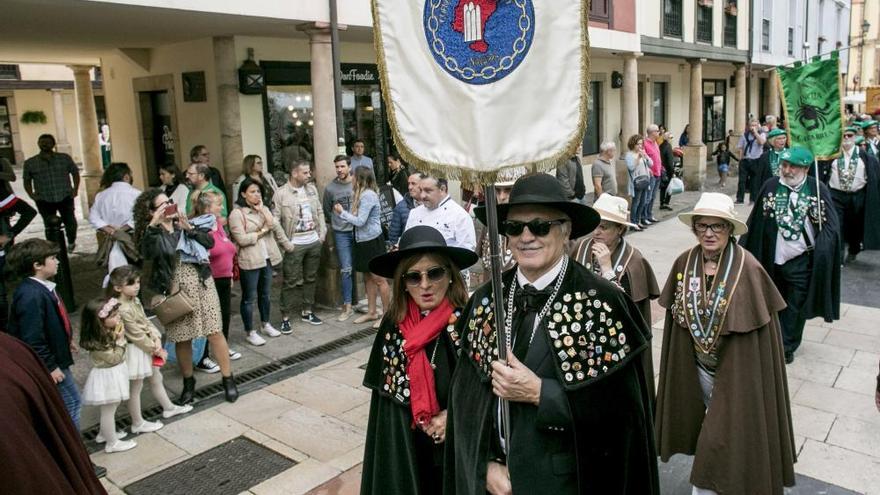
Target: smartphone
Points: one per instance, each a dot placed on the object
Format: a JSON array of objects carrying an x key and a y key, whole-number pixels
[{"x": 171, "y": 210}]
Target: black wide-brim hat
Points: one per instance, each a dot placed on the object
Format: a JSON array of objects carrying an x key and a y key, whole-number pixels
[
  {"x": 545, "y": 190},
  {"x": 421, "y": 239}
]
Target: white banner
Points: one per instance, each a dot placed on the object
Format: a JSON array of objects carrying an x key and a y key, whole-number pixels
[{"x": 475, "y": 86}]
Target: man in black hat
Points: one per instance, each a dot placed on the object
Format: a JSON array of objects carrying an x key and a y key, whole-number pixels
[{"x": 580, "y": 419}]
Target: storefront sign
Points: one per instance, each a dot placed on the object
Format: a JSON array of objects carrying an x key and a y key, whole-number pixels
[{"x": 359, "y": 74}]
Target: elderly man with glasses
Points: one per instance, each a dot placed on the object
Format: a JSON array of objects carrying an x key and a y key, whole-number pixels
[{"x": 580, "y": 418}]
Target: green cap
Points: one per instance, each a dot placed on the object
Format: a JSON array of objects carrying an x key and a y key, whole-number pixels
[
  {"x": 868, "y": 123},
  {"x": 860, "y": 140},
  {"x": 797, "y": 156},
  {"x": 853, "y": 129},
  {"x": 776, "y": 132}
]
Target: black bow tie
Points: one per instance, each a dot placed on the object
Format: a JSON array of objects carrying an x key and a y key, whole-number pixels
[{"x": 531, "y": 299}]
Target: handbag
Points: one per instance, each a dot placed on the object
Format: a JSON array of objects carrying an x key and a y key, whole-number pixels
[
  {"x": 641, "y": 182},
  {"x": 172, "y": 307}
]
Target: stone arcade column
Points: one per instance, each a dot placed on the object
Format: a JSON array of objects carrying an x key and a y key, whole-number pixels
[
  {"x": 629, "y": 119},
  {"x": 87, "y": 119},
  {"x": 226, "y": 73},
  {"x": 773, "y": 105},
  {"x": 740, "y": 109},
  {"x": 695, "y": 151},
  {"x": 62, "y": 145}
]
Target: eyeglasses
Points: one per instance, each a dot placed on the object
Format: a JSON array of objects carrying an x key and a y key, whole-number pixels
[
  {"x": 849, "y": 135},
  {"x": 715, "y": 227},
  {"x": 434, "y": 275},
  {"x": 537, "y": 227}
]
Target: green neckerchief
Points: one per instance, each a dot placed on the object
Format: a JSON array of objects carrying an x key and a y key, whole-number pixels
[
  {"x": 791, "y": 220},
  {"x": 846, "y": 174},
  {"x": 774, "y": 161}
]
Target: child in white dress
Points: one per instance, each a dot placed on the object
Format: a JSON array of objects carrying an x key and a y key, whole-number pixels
[
  {"x": 145, "y": 355},
  {"x": 101, "y": 333}
]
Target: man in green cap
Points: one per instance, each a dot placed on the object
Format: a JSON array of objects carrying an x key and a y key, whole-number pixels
[
  {"x": 872, "y": 137},
  {"x": 793, "y": 232},
  {"x": 854, "y": 180},
  {"x": 768, "y": 165}
]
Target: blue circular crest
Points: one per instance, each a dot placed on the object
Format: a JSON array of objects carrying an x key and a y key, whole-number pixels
[{"x": 479, "y": 41}]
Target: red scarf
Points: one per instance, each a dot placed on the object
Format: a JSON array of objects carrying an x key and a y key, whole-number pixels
[{"x": 417, "y": 333}]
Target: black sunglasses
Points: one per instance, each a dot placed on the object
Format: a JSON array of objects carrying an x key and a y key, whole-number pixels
[
  {"x": 434, "y": 275},
  {"x": 537, "y": 227}
]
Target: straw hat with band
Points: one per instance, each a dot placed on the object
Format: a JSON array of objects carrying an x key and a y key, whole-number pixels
[
  {"x": 715, "y": 205},
  {"x": 421, "y": 239},
  {"x": 545, "y": 190},
  {"x": 613, "y": 209}
]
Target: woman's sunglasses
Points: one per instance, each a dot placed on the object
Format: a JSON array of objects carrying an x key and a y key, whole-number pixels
[
  {"x": 434, "y": 275},
  {"x": 537, "y": 227}
]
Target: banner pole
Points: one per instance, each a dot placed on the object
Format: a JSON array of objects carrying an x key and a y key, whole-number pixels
[
  {"x": 498, "y": 297},
  {"x": 818, "y": 193}
]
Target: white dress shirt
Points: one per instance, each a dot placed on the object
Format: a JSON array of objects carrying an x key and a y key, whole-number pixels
[
  {"x": 113, "y": 206},
  {"x": 789, "y": 249},
  {"x": 450, "y": 219},
  {"x": 859, "y": 181}
]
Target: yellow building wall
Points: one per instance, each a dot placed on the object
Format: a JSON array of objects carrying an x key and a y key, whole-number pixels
[{"x": 40, "y": 99}]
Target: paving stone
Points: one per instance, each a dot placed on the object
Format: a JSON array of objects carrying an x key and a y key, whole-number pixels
[
  {"x": 297, "y": 480},
  {"x": 271, "y": 443},
  {"x": 200, "y": 432},
  {"x": 256, "y": 408},
  {"x": 825, "y": 352},
  {"x": 808, "y": 369},
  {"x": 348, "y": 460},
  {"x": 864, "y": 360},
  {"x": 313, "y": 433},
  {"x": 839, "y": 466},
  {"x": 837, "y": 401},
  {"x": 359, "y": 416},
  {"x": 794, "y": 384},
  {"x": 320, "y": 393},
  {"x": 811, "y": 423},
  {"x": 856, "y": 435},
  {"x": 856, "y": 380},
  {"x": 111, "y": 488},
  {"x": 350, "y": 375},
  {"x": 347, "y": 483},
  {"x": 815, "y": 333},
  {"x": 153, "y": 453},
  {"x": 855, "y": 341}
]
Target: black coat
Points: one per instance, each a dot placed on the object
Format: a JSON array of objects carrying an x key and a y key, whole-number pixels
[
  {"x": 762, "y": 169},
  {"x": 399, "y": 459},
  {"x": 872, "y": 196},
  {"x": 593, "y": 431},
  {"x": 667, "y": 158},
  {"x": 36, "y": 321},
  {"x": 823, "y": 298},
  {"x": 159, "y": 250}
]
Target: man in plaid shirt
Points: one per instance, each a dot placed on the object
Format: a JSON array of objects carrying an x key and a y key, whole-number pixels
[{"x": 47, "y": 180}]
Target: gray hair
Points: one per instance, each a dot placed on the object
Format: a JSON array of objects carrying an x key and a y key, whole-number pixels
[
  {"x": 770, "y": 118},
  {"x": 607, "y": 145},
  {"x": 652, "y": 128}
]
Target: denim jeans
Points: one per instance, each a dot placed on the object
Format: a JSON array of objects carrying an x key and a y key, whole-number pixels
[
  {"x": 70, "y": 396},
  {"x": 255, "y": 287},
  {"x": 653, "y": 193},
  {"x": 638, "y": 208},
  {"x": 344, "y": 251}
]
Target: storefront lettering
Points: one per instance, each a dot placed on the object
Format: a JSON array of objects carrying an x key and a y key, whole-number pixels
[{"x": 353, "y": 75}]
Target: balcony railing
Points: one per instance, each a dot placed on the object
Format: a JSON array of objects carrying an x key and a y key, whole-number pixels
[
  {"x": 704, "y": 24},
  {"x": 672, "y": 18},
  {"x": 729, "y": 30}
]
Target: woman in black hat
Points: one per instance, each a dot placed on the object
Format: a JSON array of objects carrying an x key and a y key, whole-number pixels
[{"x": 411, "y": 364}]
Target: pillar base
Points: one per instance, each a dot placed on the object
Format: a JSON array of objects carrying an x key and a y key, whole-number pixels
[
  {"x": 694, "y": 167},
  {"x": 622, "y": 174},
  {"x": 90, "y": 184}
]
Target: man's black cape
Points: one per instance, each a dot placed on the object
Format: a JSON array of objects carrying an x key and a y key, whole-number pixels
[
  {"x": 823, "y": 298},
  {"x": 592, "y": 433},
  {"x": 871, "y": 240},
  {"x": 763, "y": 172},
  {"x": 400, "y": 459}
]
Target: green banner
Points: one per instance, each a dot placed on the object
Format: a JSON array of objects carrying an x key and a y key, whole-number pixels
[{"x": 811, "y": 100}]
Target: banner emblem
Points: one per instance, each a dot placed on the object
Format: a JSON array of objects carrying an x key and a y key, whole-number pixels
[{"x": 479, "y": 41}]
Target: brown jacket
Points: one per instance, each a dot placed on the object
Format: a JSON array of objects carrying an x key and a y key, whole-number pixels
[
  {"x": 744, "y": 442},
  {"x": 245, "y": 224}
]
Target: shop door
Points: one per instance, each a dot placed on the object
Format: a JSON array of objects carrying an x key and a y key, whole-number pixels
[
  {"x": 714, "y": 110},
  {"x": 157, "y": 131},
  {"x": 6, "y": 149}
]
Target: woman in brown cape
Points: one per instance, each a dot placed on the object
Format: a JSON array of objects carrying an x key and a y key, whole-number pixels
[
  {"x": 723, "y": 393},
  {"x": 611, "y": 257}
]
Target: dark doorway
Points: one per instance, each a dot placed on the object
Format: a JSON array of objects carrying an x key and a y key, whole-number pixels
[
  {"x": 6, "y": 149},
  {"x": 157, "y": 131}
]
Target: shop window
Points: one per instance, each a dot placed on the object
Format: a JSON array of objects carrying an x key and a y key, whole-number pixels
[
  {"x": 600, "y": 10},
  {"x": 9, "y": 71},
  {"x": 6, "y": 149},
  {"x": 704, "y": 23},
  {"x": 594, "y": 117},
  {"x": 672, "y": 18},
  {"x": 658, "y": 105},
  {"x": 714, "y": 110}
]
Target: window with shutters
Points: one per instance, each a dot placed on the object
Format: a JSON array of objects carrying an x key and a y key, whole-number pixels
[
  {"x": 9, "y": 71},
  {"x": 672, "y": 18},
  {"x": 704, "y": 24},
  {"x": 600, "y": 10}
]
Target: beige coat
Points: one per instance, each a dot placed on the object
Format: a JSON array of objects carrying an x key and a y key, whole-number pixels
[
  {"x": 245, "y": 225},
  {"x": 287, "y": 208}
]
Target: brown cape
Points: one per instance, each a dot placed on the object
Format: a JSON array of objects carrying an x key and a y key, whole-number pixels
[
  {"x": 41, "y": 450},
  {"x": 744, "y": 442},
  {"x": 639, "y": 283}
]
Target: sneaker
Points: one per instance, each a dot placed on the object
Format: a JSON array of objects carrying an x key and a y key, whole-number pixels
[
  {"x": 254, "y": 339},
  {"x": 654, "y": 220},
  {"x": 234, "y": 355},
  {"x": 147, "y": 427},
  {"x": 345, "y": 315},
  {"x": 178, "y": 410},
  {"x": 208, "y": 365},
  {"x": 270, "y": 331},
  {"x": 362, "y": 308},
  {"x": 311, "y": 319},
  {"x": 119, "y": 436},
  {"x": 285, "y": 326},
  {"x": 120, "y": 446}
]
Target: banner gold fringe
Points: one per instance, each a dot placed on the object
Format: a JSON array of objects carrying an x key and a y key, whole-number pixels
[{"x": 464, "y": 174}]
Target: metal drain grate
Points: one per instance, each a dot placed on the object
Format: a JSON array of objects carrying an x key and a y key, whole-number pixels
[
  {"x": 155, "y": 412},
  {"x": 232, "y": 467}
]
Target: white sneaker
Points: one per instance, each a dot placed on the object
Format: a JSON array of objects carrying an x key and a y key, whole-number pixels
[
  {"x": 119, "y": 436},
  {"x": 177, "y": 411},
  {"x": 120, "y": 446},
  {"x": 269, "y": 330},
  {"x": 147, "y": 427},
  {"x": 254, "y": 338},
  {"x": 234, "y": 355}
]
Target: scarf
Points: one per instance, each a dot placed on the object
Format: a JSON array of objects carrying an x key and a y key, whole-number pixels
[
  {"x": 774, "y": 161},
  {"x": 793, "y": 209},
  {"x": 417, "y": 333},
  {"x": 846, "y": 173}
]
